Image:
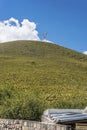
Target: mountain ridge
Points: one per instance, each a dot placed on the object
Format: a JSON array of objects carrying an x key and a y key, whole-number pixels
[{"x": 37, "y": 48}]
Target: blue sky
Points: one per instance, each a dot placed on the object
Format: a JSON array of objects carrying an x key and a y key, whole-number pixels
[{"x": 65, "y": 21}]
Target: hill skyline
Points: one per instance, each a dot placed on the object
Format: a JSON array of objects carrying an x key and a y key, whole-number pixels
[{"x": 42, "y": 41}]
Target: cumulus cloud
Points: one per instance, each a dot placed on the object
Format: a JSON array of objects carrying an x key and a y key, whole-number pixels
[
  {"x": 85, "y": 52},
  {"x": 12, "y": 29}
]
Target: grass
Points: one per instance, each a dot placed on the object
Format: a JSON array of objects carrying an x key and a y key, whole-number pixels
[{"x": 43, "y": 74}]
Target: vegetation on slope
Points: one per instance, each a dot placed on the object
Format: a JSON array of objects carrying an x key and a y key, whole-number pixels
[{"x": 35, "y": 76}]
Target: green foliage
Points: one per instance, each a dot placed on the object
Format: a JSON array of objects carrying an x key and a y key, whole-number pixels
[
  {"x": 35, "y": 76},
  {"x": 29, "y": 108}
]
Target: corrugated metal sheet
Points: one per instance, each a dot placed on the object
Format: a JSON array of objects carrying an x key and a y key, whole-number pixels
[
  {"x": 70, "y": 118},
  {"x": 60, "y": 111},
  {"x": 65, "y": 115}
]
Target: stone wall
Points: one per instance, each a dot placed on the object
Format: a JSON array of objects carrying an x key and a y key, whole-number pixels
[{"x": 7, "y": 124}]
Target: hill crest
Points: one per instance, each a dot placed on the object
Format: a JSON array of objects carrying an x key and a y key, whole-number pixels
[{"x": 40, "y": 49}]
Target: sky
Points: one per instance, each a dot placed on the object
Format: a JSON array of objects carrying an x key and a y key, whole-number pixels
[{"x": 64, "y": 21}]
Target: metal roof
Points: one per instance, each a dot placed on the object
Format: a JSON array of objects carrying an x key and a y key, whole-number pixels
[
  {"x": 65, "y": 115},
  {"x": 61, "y": 111},
  {"x": 69, "y": 118}
]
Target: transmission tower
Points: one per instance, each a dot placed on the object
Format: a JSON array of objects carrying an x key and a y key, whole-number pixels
[{"x": 44, "y": 36}]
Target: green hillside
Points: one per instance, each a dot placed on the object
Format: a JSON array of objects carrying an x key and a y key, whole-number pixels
[{"x": 36, "y": 75}]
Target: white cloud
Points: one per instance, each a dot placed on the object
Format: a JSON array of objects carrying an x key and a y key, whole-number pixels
[
  {"x": 47, "y": 41},
  {"x": 11, "y": 30},
  {"x": 85, "y": 52}
]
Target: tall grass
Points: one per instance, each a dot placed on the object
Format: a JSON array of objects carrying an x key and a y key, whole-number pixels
[{"x": 35, "y": 76}]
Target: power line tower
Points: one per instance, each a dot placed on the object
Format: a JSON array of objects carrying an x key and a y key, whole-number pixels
[{"x": 44, "y": 35}]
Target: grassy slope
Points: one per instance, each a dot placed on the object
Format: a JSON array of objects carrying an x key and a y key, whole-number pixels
[{"x": 54, "y": 75}]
